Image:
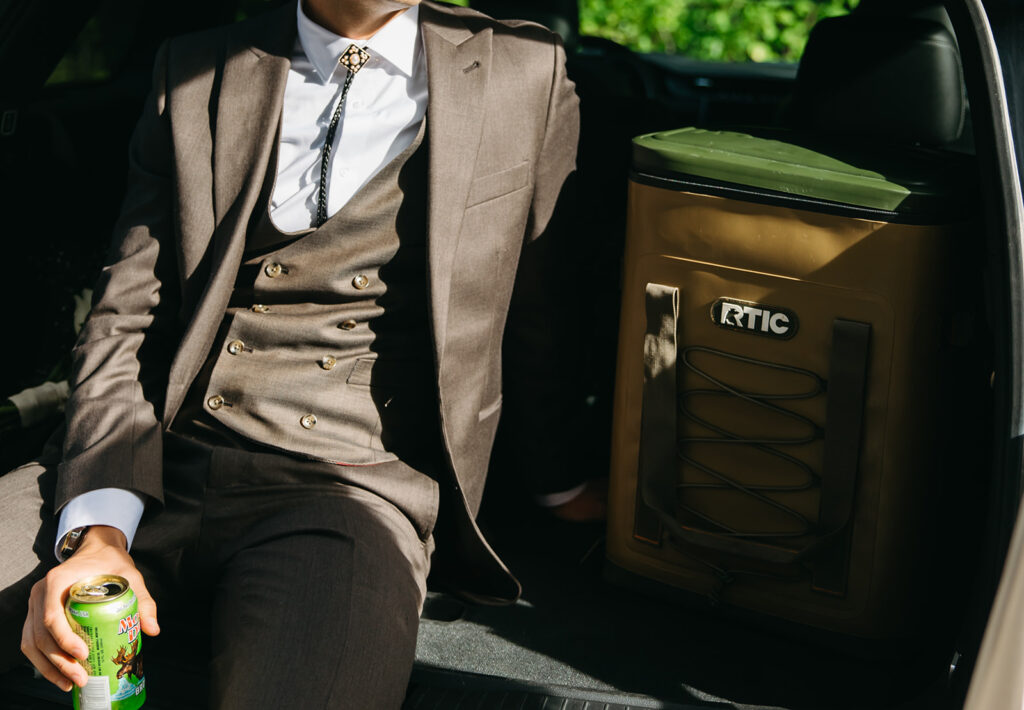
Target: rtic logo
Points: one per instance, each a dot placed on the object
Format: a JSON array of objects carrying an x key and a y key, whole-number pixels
[{"x": 756, "y": 318}]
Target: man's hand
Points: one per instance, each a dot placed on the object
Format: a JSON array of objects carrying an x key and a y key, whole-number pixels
[
  {"x": 590, "y": 506},
  {"x": 47, "y": 639}
]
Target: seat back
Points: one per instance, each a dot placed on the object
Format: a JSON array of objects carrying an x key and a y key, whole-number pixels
[{"x": 885, "y": 73}]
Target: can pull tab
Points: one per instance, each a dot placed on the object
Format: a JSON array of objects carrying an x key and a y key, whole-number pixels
[{"x": 93, "y": 590}]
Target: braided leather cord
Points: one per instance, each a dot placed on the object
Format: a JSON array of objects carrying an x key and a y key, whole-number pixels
[{"x": 353, "y": 59}]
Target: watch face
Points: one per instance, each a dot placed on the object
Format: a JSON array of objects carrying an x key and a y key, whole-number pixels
[{"x": 71, "y": 542}]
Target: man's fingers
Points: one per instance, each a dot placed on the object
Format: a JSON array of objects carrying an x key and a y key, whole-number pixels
[
  {"x": 147, "y": 606},
  {"x": 147, "y": 610},
  {"x": 58, "y": 668},
  {"x": 37, "y": 659},
  {"x": 66, "y": 668},
  {"x": 56, "y": 623},
  {"x": 45, "y": 668},
  {"x": 57, "y": 656}
]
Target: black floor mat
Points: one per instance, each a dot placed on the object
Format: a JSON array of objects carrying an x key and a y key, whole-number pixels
[
  {"x": 574, "y": 629},
  {"x": 440, "y": 690}
]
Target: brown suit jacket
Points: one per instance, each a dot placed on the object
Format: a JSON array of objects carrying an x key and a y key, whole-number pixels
[{"x": 502, "y": 141}]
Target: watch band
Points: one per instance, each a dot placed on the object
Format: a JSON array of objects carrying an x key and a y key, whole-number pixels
[{"x": 71, "y": 541}]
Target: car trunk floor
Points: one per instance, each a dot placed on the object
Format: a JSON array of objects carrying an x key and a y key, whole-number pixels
[{"x": 574, "y": 630}]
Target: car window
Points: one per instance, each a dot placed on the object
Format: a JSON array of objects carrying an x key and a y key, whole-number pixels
[
  {"x": 100, "y": 46},
  {"x": 710, "y": 30},
  {"x": 126, "y": 33}
]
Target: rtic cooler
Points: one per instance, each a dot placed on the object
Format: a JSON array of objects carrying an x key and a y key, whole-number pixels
[{"x": 784, "y": 381}]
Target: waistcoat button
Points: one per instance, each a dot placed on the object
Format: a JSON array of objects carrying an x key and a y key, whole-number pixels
[
  {"x": 328, "y": 362},
  {"x": 215, "y": 402},
  {"x": 273, "y": 270},
  {"x": 361, "y": 281},
  {"x": 308, "y": 421},
  {"x": 347, "y": 324},
  {"x": 235, "y": 347},
  {"x": 260, "y": 308}
]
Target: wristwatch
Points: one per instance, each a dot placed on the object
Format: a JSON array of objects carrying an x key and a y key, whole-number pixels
[{"x": 70, "y": 542}]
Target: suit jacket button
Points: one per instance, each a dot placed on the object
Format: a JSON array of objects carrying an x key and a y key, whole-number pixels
[
  {"x": 260, "y": 308},
  {"x": 273, "y": 270},
  {"x": 361, "y": 281},
  {"x": 308, "y": 421},
  {"x": 347, "y": 324},
  {"x": 328, "y": 362},
  {"x": 215, "y": 402},
  {"x": 235, "y": 347}
]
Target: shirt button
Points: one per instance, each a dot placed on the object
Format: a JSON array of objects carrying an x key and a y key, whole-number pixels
[
  {"x": 328, "y": 362},
  {"x": 273, "y": 270},
  {"x": 215, "y": 402},
  {"x": 361, "y": 281},
  {"x": 260, "y": 308},
  {"x": 347, "y": 324},
  {"x": 308, "y": 421},
  {"x": 235, "y": 347}
]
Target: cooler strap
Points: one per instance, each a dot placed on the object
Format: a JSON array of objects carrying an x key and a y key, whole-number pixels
[
  {"x": 844, "y": 419},
  {"x": 658, "y": 467}
]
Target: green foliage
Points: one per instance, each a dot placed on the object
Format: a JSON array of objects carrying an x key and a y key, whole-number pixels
[{"x": 721, "y": 30}]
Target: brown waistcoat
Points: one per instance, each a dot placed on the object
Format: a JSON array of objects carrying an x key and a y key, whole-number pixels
[{"x": 324, "y": 351}]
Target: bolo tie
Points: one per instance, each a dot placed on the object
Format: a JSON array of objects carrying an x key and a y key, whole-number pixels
[{"x": 353, "y": 59}]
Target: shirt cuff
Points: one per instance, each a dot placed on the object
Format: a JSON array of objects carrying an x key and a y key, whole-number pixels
[
  {"x": 116, "y": 507},
  {"x": 551, "y": 500}
]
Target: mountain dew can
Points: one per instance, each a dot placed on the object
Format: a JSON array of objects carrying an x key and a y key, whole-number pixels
[{"x": 104, "y": 612}]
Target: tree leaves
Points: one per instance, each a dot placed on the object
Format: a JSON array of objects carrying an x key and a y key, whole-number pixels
[{"x": 721, "y": 30}]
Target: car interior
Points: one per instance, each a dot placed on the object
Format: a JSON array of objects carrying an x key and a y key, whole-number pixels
[{"x": 890, "y": 75}]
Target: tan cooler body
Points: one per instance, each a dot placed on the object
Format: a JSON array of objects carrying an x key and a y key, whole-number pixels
[{"x": 784, "y": 375}]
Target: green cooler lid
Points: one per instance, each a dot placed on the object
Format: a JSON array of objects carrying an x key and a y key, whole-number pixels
[{"x": 893, "y": 179}]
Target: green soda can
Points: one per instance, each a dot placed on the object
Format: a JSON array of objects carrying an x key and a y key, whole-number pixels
[{"x": 104, "y": 612}]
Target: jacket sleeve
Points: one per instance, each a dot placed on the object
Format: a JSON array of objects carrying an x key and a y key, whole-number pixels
[
  {"x": 543, "y": 398},
  {"x": 121, "y": 359}
]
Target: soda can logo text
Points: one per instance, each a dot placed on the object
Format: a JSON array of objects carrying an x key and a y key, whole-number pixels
[{"x": 129, "y": 625}]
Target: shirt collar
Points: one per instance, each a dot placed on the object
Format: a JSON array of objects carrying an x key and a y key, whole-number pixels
[{"x": 397, "y": 42}]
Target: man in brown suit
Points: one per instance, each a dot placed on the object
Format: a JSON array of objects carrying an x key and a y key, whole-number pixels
[{"x": 305, "y": 508}]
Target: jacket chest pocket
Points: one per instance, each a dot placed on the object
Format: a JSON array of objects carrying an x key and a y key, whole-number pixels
[{"x": 496, "y": 185}]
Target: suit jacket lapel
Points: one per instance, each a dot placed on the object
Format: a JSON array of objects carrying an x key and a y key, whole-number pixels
[
  {"x": 458, "y": 67},
  {"x": 248, "y": 93},
  {"x": 248, "y": 109}
]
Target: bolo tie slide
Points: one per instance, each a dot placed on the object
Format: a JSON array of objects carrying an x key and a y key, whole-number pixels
[{"x": 353, "y": 59}]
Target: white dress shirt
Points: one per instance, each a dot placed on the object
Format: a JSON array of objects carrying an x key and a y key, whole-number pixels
[{"x": 385, "y": 105}]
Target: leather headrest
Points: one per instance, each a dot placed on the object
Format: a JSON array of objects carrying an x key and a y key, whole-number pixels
[{"x": 894, "y": 78}]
